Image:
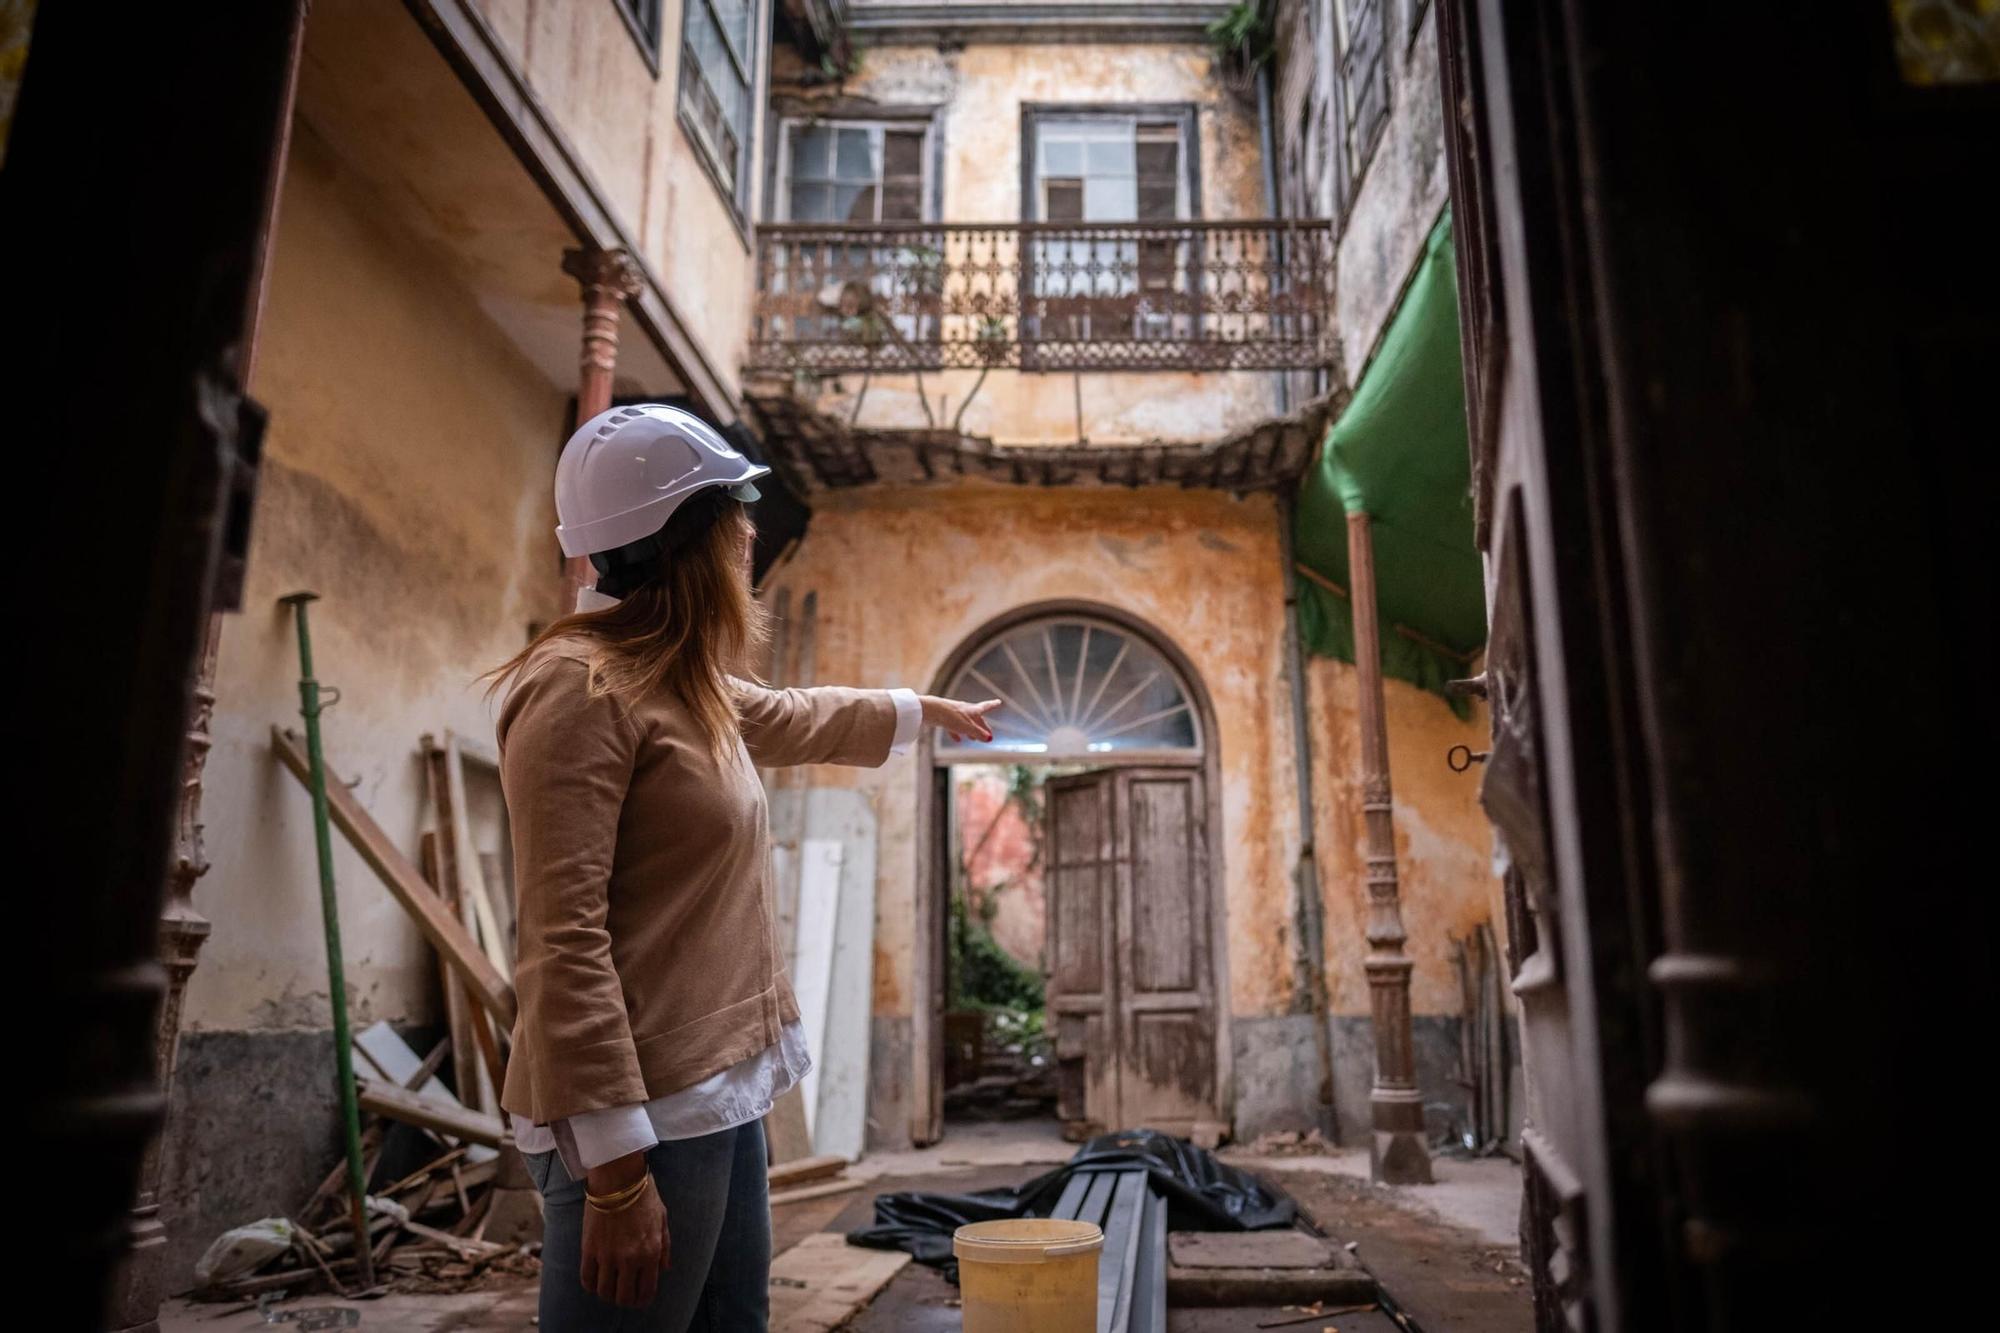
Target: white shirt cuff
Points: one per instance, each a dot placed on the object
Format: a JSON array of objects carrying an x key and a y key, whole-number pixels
[
  {"x": 606, "y": 1135},
  {"x": 909, "y": 720}
]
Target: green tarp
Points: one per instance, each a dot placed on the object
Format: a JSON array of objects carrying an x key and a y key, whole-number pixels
[{"x": 1398, "y": 453}]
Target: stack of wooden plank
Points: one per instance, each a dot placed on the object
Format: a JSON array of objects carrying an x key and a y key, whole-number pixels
[{"x": 470, "y": 1205}]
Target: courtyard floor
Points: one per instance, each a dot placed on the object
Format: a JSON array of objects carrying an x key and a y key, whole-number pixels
[{"x": 1445, "y": 1254}]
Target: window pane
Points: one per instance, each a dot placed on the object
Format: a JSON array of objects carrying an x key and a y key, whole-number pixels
[
  {"x": 1110, "y": 200},
  {"x": 1072, "y": 688},
  {"x": 1159, "y": 156},
  {"x": 903, "y": 153},
  {"x": 1158, "y": 203},
  {"x": 715, "y": 94},
  {"x": 1109, "y": 157},
  {"x": 1062, "y": 200},
  {"x": 811, "y": 148},
  {"x": 854, "y": 162},
  {"x": 735, "y": 16},
  {"x": 812, "y": 203},
  {"x": 1061, "y": 157},
  {"x": 902, "y": 202},
  {"x": 854, "y": 203}
]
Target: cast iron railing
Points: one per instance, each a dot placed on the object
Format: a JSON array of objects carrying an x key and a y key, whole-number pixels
[{"x": 1044, "y": 296}]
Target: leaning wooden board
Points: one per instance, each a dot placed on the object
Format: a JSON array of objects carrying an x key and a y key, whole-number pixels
[{"x": 433, "y": 918}]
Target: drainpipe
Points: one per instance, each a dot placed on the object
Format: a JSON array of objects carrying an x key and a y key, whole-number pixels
[
  {"x": 1267, "y": 134},
  {"x": 1308, "y": 908}
]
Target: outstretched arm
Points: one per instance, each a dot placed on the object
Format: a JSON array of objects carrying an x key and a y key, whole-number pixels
[
  {"x": 831, "y": 724},
  {"x": 957, "y": 719}
]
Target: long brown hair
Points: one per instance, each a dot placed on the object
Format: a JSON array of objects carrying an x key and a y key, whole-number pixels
[{"x": 687, "y": 628}]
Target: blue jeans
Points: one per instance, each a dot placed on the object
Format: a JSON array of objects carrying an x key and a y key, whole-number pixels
[{"x": 719, "y": 1226}]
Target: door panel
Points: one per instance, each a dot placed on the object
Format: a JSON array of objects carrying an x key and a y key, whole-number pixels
[
  {"x": 1166, "y": 1011},
  {"x": 1080, "y": 877},
  {"x": 1165, "y": 937}
]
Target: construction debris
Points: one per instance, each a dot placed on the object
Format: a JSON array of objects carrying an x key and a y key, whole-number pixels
[
  {"x": 1288, "y": 1143},
  {"x": 470, "y": 1211},
  {"x": 427, "y": 1231}
]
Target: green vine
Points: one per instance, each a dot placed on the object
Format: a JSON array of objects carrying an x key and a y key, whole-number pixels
[{"x": 1242, "y": 36}]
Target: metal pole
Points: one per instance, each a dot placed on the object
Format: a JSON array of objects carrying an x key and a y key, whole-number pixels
[
  {"x": 1309, "y": 909},
  {"x": 336, "y": 971}
]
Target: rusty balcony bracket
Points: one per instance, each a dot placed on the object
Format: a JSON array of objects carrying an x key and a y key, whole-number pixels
[{"x": 1174, "y": 296}]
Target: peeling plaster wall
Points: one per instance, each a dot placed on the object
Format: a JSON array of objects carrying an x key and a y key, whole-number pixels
[
  {"x": 586, "y": 68},
  {"x": 1402, "y": 190},
  {"x": 981, "y": 89},
  {"x": 903, "y": 577},
  {"x": 404, "y": 480}
]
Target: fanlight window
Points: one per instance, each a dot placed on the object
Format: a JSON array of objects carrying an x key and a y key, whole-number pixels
[{"x": 1077, "y": 689}]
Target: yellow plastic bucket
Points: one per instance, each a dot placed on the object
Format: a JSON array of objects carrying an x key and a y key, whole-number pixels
[{"x": 1028, "y": 1275}]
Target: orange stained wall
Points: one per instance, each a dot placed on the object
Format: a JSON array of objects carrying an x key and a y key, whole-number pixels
[{"x": 902, "y": 577}]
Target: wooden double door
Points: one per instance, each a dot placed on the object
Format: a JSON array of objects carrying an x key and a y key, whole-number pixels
[{"x": 1131, "y": 985}]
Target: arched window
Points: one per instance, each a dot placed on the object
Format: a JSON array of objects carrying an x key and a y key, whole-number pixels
[{"x": 1077, "y": 689}]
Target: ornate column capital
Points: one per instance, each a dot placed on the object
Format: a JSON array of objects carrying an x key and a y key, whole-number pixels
[{"x": 609, "y": 273}]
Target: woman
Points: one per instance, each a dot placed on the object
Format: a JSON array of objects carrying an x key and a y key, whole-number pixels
[{"x": 656, "y": 1024}]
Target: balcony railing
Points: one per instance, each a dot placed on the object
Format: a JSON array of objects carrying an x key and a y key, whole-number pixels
[{"x": 1044, "y": 296}]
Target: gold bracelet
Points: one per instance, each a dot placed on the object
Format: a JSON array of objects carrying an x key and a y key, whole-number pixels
[{"x": 619, "y": 1200}]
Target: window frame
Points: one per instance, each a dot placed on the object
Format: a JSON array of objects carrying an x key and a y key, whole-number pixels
[
  {"x": 646, "y": 35},
  {"x": 1355, "y": 156},
  {"x": 736, "y": 198},
  {"x": 946, "y": 752},
  {"x": 1185, "y": 115},
  {"x": 779, "y": 209}
]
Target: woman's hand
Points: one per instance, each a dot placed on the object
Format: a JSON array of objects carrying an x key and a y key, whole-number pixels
[
  {"x": 624, "y": 1252},
  {"x": 961, "y": 721}
]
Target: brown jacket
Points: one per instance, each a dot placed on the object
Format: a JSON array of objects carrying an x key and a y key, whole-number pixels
[{"x": 648, "y": 959}]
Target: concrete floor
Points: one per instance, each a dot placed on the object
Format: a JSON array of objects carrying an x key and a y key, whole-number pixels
[
  {"x": 1480, "y": 1194},
  {"x": 1447, "y": 1253}
]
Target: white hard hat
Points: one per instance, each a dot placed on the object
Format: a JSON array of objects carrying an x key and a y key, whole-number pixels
[{"x": 626, "y": 470}]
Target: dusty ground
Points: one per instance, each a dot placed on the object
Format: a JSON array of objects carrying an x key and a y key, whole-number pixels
[
  {"x": 1447, "y": 1276},
  {"x": 1445, "y": 1253}
]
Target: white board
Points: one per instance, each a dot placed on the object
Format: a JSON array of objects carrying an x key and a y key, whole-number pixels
[
  {"x": 840, "y": 1124},
  {"x": 377, "y": 1046},
  {"x": 812, "y": 973}
]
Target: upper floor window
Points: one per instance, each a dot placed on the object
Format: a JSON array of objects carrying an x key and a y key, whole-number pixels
[
  {"x": 852, "y": 171},
  {"x": 1108, "y": 168},
  {"x": 642, "y": 17},
  {"x": 718, "y": 68},
  {"x": 1362, "y": 77}
]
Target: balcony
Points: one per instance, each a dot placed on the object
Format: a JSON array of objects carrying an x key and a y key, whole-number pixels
[{"x": 1040, "y": 296}]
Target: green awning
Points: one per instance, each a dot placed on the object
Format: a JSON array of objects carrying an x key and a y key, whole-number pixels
[{"x": 1398, "y": 453}]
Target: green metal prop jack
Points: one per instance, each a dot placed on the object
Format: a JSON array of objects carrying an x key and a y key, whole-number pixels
[{"x": 310, "y": 705}]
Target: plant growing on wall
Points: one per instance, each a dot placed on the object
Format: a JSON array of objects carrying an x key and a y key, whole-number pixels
[{"x": 1242, "y": 41}]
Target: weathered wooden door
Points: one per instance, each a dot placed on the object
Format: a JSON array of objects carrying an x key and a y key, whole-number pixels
[
  {"x": 1131, "y": 977},
  {"x": 1081, "y": 999}
]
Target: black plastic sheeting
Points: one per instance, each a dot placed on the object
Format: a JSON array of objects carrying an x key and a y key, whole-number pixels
[{"x": 1202, "y": 1194}]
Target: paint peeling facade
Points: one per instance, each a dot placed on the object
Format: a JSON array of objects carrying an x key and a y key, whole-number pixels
[
  {"x": 417, "y": 355},
  {"x": 419, "y": 360},
  {"x": 974, "y": 101}
]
